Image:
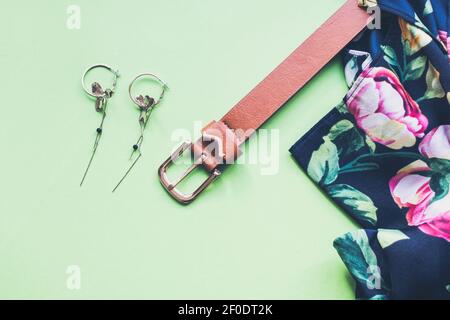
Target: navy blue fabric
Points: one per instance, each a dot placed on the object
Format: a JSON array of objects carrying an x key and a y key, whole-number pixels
[{"x": 402, "y": 250}]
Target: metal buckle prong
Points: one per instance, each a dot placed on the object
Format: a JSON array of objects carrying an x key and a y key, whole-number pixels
[{"x": 171, "y": 186}]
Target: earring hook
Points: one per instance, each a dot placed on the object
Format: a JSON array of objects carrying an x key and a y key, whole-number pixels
[
  {"x": 101, "y": 97},
  {"x": 145, "y": 104},
  {"x": 137, "y": 102},
  {"x": 97, "y": 66}
]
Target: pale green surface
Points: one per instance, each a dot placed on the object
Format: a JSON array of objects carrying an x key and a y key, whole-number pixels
[{"x": 249, "y": 236}]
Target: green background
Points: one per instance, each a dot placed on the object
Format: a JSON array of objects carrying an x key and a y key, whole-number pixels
[{"x": 249, "y": 236}]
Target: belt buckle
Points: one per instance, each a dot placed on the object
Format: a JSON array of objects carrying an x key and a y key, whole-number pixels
[{"x": 171, "y": 186}]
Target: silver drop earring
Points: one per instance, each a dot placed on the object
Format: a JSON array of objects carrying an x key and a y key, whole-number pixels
[
  {"x": 145, "y": 104},
  {"x": 101, "y": 97}
]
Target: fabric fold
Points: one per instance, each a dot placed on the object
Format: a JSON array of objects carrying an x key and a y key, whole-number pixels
[{"x": 383, "y": 154}]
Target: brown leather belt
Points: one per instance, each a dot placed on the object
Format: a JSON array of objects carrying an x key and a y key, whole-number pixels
[{"x": 221, "y": 140}]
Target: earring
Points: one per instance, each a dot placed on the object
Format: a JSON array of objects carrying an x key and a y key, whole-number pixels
[
  {"x": 145, "y": 104},
  {"x": 101, "y": 97}
]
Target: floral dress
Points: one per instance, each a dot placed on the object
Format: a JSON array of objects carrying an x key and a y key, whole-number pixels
[{"x": 383, "y": 154}]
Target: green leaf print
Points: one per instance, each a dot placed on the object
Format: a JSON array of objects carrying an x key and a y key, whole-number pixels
[
  {"x": 379, "y": 297},
  {"x": 420, "y": 24},
  {"x": 339, "y": 128},
  {"x": 342, "y": 108},
  {"x": 409, "y": 71},
  {"x": 360, "y": 206},
  {"x": 323, "y": 166},
  {"x": 351, "y": 69},
  {"x": 407, "y": 51},
  {"x": 387, "y": 237},
  {"x": 428, "y": 8},
  {"x": 346, "y": 137},
  {"x": 439, "y": 165},
  {"x": 372, "y": 146},
  {"x": 359, "y": 258},
  {"x": 440, "y": 185},
  {"x": 390, "y": 56},
  {"x": 434, "y": 87},
  {"x": 415, "y": 69}
]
